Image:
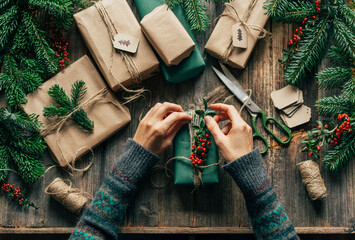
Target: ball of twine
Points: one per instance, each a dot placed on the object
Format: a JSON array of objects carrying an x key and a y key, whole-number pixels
[
  {"x": 72, "y": 199},
  {"x": 312, "y": 179}
]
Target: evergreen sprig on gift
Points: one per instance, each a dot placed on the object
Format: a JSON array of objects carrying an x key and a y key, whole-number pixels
[
  {"x": 25, "y": 53},
  {"x": 319, "y": 21},
  {"x": 195, "y": 12},
  {"x": 20, "y": 144},
  {"x": 68, "y": 105}
]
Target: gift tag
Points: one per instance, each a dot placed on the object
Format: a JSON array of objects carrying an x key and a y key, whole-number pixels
[
  {"x": 285, "y": 97},
  {"x": 300, "y": 117},
  {"x": 240, "y": 36},
  {"x": 126, "y": 43}
]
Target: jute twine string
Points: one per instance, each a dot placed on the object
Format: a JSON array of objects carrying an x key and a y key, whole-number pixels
[
  {"x": 312, "y": 179},
  {"x": 127, "y": 59},
  {"x": 57, "y": 126},
  {"x": 233, "y": 13},
  {"x": 71, "y": 198}
]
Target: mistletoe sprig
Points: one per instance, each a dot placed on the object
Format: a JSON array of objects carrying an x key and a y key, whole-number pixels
[
  {"x": 68, "y": 105},
  {"x": 202, "y": 136},
  {"x": 17, "y": 195}
]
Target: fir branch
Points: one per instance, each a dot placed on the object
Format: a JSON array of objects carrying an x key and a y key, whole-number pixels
[
  {"x": 348, "y": 91},
  {"x": 276, "y": 8},
  {"x": 332, "y": 106},
  {"x": 344, "y": 38},
  {"x": 341, "y": 154},
  {"x": 339, "y": 56},
  {"x": 348, "y": 15},
  {"x": 44, "y": 53},
  {"x": 173, "y": 3},
  {"x": 21, "y": 143},
  {"x": 196, "y": 14},
  {"x": 8, "y": 24},
  {"x": 60, "y": 10},
  {"x": 333, "y": 77},
  {"x": 311, "y": 50},
  {"x": 290, "y": 11},
  {"x": 67, "y": 106}
]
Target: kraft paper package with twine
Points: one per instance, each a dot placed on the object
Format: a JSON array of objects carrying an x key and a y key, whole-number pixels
[
  {"x": 189, "y": 67},
  {"x": 71, "y": 141},
  {"x": 98, "y": 25},
  {"x": 167, "y": 35},
  {"x": 185, "y": 171},
  {"x": 251, "y": 15},
  {"x": 312, "y": 179}
]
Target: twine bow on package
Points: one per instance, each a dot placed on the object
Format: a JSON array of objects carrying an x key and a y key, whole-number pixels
[
  {"x": 116, "y": 42},
  {"x": 205, "y": 172},
  {"x": 237, "y": 31},
  {"x": 66, "y": 139}
]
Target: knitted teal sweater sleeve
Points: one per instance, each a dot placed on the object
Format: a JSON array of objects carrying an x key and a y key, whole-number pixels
[
  {"x": 268, "y": 217},
  {"x": 108, "y": 208}
]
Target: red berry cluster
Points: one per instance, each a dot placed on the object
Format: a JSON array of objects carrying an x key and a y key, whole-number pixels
[
  {"x": 200, "y": 149},
  {"x": 318, "y": 2},
  {"x": 345, "y": 126},
  {"x": 15, "y": 194},
  {"x": 60, "y": 45},
  {"x": 296, "y": 37}
]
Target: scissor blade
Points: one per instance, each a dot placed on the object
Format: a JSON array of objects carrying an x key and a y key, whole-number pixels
[
  {"x": 229, "y": 75},
  {"x": 237, "y": 91}
]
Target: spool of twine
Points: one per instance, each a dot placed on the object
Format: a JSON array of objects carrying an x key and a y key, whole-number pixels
[
  {"x": 312, "y": 179},
  {"x": 72, "y": 199}
]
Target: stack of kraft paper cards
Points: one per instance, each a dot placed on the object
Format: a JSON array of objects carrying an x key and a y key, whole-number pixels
[{"x": 289, "y": 100}]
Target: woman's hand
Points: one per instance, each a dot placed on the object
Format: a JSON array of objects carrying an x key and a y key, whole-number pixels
[
  {"x": 235, "y": 139},
  {"x": 158, "y": 128}
]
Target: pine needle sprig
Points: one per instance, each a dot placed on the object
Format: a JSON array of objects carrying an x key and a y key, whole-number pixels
[
  {"x": 332, "y": 106},
  {"x": 310, "y": 52},
  {"x": 21, "y": 144},
  {"x": 344, "y": 37},
  {"x": 195, "y": 12},
  {"x": 333, "y": 77},
  {"x": 67, "y": 105}
]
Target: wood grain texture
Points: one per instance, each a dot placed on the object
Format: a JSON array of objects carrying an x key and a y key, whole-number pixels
[{"x": 217, "y": 208}]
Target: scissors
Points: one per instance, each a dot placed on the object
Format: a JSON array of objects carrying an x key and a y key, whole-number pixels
[{"x": 252, "y": 108}]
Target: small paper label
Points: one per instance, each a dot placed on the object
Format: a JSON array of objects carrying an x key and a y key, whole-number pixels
[
  {"x": 126, "y": 43},
  {"x": 240, "y": 36}
]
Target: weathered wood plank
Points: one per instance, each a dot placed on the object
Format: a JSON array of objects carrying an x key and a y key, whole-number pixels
[{"x": 217, "y": 208}]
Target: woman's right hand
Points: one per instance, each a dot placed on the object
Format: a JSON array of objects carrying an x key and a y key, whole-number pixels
[{"x": 235, "y": 139}]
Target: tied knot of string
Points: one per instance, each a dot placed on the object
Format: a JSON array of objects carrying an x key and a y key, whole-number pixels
[
  {"x": 126, "y": 57},
  {"x": 259, "y": 32},
  {"x": 57, "y": 126}
]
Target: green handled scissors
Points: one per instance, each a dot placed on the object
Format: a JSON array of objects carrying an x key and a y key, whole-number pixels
[{"x": 252, "y": 108}]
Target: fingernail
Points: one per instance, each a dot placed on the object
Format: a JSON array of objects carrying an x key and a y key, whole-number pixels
[{"x": 207, "y": 119}]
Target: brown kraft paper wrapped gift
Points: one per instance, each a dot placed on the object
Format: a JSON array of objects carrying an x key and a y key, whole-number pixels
[
  {"x": 167, "y": 35},
  {"x": 99, "y": 41},
  {"x": 73, "y": 140},
  {"x": 221, "y": 37}
]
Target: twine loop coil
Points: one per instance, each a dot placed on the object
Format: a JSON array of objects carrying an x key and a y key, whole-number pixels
[
  {"x": 71, "y": 198},
  {"x": 312, "y": 179},
  {"x": 126, "y": 57},
  {"x": 57, "y": 126},
  {"x": 233, "y": 13}
]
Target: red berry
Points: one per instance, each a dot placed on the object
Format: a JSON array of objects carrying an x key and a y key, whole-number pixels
[
  {"x": 203, "y": 144},
  {"x": 194, "y": 146},
  {"x": 204, "y": 149},
  {"x": 208, "y": 143},
  {"x": 319, "y": 127},
  {"x": 314, "y": 17},
  {"x": 207, "y": 136},
  {"x": 310, "y": 154},
  {"x": 326, "y": 126}
]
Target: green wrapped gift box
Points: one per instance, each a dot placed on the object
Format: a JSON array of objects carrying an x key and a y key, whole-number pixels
[
  {"x": 189, "y": 67},
  {"x": 184, "y": 170}
]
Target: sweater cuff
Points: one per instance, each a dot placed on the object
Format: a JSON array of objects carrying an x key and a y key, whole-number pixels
[
  {"x": 135, "y": 161},
  {"x": 249, "y": 172}
]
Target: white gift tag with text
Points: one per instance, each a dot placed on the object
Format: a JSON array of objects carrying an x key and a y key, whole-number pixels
[
  {"x": 126, "y": 43},
  {"x": 240, "y": 36}
]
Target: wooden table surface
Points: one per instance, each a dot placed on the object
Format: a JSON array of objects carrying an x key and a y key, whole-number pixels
[{"x": 217, "y": 208}]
